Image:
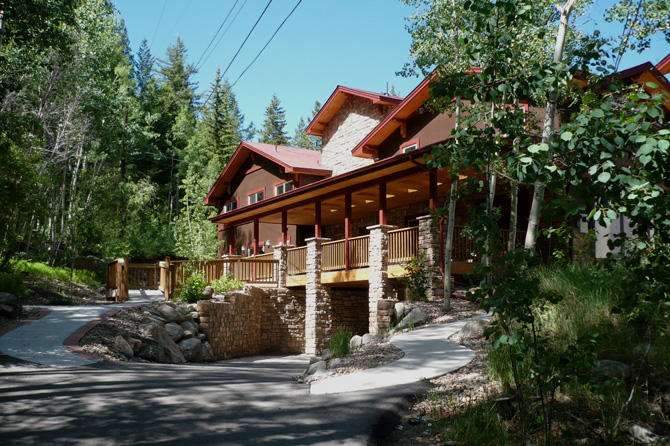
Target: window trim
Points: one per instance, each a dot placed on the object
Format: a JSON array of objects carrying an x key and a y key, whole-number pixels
[
  {"x": 281, "y": 183},
  {"x": 233, "y": 200},
  {"x": 416, "y": 142},
  {"x": 255, "y": 192}
]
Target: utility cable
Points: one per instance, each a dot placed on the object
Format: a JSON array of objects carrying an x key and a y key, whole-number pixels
[
  {"x": 216, "y": 34},
  {"x": 153, "y": 39},
  {"x": 225, "y": 31},
  {"x": 268, "y": 43}
]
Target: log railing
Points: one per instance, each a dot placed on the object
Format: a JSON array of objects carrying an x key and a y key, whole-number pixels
[
  {"x": 296, "y": 259},
  {"x": 403, "y": 244}
]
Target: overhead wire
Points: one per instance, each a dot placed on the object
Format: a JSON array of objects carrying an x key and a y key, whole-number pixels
[
  {"x": 216, "y": 34},
  {"x": 225, "y": 31},
  {"x": 181, "y": 16},
  {"x": 160, "y": 18},
  {"x": 267, "y": 43}
]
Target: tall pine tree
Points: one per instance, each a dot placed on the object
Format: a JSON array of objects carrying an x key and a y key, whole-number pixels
[
  {"x": 302, "y": 139},
  {"x": 273, "y": 131}
]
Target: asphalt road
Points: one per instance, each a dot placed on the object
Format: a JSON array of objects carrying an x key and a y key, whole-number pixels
[{"x": 249, "y": 401}]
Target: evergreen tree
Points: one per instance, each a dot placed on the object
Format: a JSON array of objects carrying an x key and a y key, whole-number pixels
[
  {"x": 302, "y": 139},
  {"x": 273, "y": 131},
  {"x": 222, "y": 120},
  {"x": 176, "y": 75},
  {"x": 143, "y": 70}
]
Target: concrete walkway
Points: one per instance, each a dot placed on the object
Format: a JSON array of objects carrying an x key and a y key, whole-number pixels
[
  {"x": 428, "y": 354},
  {"x": 42, "y": 341}
]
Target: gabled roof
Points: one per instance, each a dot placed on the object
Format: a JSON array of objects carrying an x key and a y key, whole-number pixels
[
  {"x": 646, "y": 73},
  {"x": 397, "y": 118},
  {"x": 337, "y": 99},
  {"x": 292, "y": 159},
  {"x": 664, "y": 65}
]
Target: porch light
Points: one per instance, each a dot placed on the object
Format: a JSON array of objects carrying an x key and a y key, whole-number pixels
[
  {"x": 353, "y": 205},
  {"x": 369, "y": 201},
  {"x": 439, "y": 184},
  {"x": 333, "y": 210},
  {"x": 411, "y": 191},
  {"x": 390, "y": 196},
  {"x": 268, "y": 243}
]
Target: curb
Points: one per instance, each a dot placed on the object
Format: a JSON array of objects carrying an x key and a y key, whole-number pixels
[
  {"x": 42, "y": 313},
  {"x": 72, "y": 341}
]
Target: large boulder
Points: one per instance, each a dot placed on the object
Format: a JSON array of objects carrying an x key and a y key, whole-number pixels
[
  {"x": 176, "y": 332},
  {"x": 398, "y": 312},
  {"x": 192, "y": 349},
  {"x": 10, "y": 305},
  {"x": 123, "y": 347},
  {"x": 186, "y": 325},
  {"x": 415, "y": 318},
  {"x": 355, "y": 342},
  {"x": 368, "y": 338},
  {"x": 166, "y": 350},
  {"x": 207, "y": 352},
  {"x": 170, "y": 314},
  {"x": 473, "y": 329}
]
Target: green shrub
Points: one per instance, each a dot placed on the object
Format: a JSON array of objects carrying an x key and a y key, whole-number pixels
[
  {"x": 11, "y": 283},
  {"x": 192, "y": 288},
  {"x": 417, "y": 277},
  {"x": 226, "y": 283},
  {"x": 339, "y": 342}
]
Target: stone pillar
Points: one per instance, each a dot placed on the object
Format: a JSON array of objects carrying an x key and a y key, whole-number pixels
[
  {"x": 318, "y": 319},
  {"x": 280, "y": 253},
  {"x": 429, "y": 246},
  {"x": 380, "y": 287}
]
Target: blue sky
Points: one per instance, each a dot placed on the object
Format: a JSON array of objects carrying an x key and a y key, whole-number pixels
[{"x": 356, "y": 43}]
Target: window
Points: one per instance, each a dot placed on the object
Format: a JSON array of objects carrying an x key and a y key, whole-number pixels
[
  {"x": 256, "y": 196},
  {"x": 230, "y": 206},
  {"x": 283, "y": 188},
  {"x": 410, "y": 145}
]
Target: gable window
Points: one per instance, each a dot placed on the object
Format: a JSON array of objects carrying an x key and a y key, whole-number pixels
[
  {"x": 256, "y": 196},
  {"x": 283, "y": 188},
  {"x": 410, "y": 146},
  {"x": 230, "y": 206}
]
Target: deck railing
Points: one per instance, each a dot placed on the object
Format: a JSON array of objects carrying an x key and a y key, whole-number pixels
[
  {"x": 359, "y": 251},
  {"x": 143, "y": 276},
  {"x": 296, "y": 259},
  {"x": 403, "y": 244},
  {"x": 117, "y": 279},
  {"x": 332, "y": 255}
]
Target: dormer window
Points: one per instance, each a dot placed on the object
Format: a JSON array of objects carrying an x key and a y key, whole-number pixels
[
  {"x": 256, "y": 196},
  {"x": 230, "y": 206},
  {"x": 282, "y": 188},
  {"x": 410, "y": 146}
]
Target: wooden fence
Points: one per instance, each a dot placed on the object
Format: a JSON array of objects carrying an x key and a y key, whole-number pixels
[
  {"x": 117, "y": 280},
  {"x": 403, "y": 244},
  {"x": 143, "y": 276},
  {"x": 296, "y": 259}
]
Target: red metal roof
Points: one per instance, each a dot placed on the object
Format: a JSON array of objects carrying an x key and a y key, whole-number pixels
[
  {"x": 664, "y": 65},
  {"x": 338, "y": 98},
  {"x": 292, "y": 159}
]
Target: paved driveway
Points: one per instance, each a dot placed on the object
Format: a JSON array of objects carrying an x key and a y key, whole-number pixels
[{"x": 249, "y": 401}]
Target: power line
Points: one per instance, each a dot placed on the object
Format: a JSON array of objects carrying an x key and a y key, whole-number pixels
[
  {"x": 181, "y": 16},
  {"x": 158, "y": 24},
  {"x": 216, "y": 34},
  {"x": 225, "y": 31},
  {"x": 240, "y": 48},
  {"x": 268, "y": 43}
]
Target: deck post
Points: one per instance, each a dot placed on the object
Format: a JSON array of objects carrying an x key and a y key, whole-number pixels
[
  {"x": 231, "y": 240},
  {"x": 318, "y": 316},
  {"x": 432, "y": 189},
  {"x": 382, "y": 203},
  {"x": 347, "y": 228},
  {"x": 280, "y": 254},
  {"x": 429, "y": 246},
  {"x": 317, "y": 219},
  {"x": 256, "y": 236},
  {"x": 284, "y": 227},
  {"x": 379, "y": 286}
]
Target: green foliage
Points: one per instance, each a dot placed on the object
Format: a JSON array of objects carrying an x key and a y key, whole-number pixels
[
  {"x": 416, "y": 280},
  {"x": 339, "y": 342},
  {"x": 11, "y": 282},
  {"x": 274, "y": 126},
  {"x": 191, "y": 290},
  {"x": 302, "y": 139},
  {"x": 77, "y": 275},
  {"x": 226, "y": 283}
]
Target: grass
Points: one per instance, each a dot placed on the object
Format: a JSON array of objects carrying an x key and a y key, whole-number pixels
[
  {"x": 77, "y": 275},
  {"x": 339, "y": 342}
]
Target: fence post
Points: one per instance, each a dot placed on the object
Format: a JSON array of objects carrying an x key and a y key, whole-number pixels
[
  {"x": 124, "y": 275},
  {"x": 167, "y": 286}
]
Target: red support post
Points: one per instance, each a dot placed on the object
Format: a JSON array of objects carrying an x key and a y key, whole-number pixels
[
  {"x": 284, "y": 227},
  {"x": 317, "y": 219},
  {"x": 256, "y": 231},
  {"x": 382, "y": 203},
  {"x": 432, "y": 200},
  {"x": 347, "y": 228},
  {"x": 231, "y": 240}
]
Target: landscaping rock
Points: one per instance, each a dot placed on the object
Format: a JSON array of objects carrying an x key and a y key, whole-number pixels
[
  {"x": 189, "y": 334},
  {"x": 192, "y": 350},
  {"x": 313, "y": 359},
  {"x": 398, "y": 312},
  {"x": 371, "y": 339},
  {"x": 124, "y": 347},
  {"x": 170, "y": 314},
  {"x": 201, "y": 336},
  {"x": 326, "y": 354},
  {"x": 194, "y": 315},
  {"x": 473, "y": 329},
  {"x": 102, "y": 290},
  {"x": 319, "y": 365},
  {"x": 417, "y": 316},
  {"x": 334, "y": 363},
  {"x": 174, "y": 331},
  {"x": 156, "y": 333},
  {"x": 10, "y": 305},
  {"x": 207, "y": 352},
  {"x": 355, "y": 342},
  {"x": 642, "y": 434},
  {"x": 208, "y": 293},
  {"x": 612, "y": 369},
  {"x": 186, "y": 325}
]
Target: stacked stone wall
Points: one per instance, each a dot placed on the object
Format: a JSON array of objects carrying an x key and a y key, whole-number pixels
[
  {"x": 350, "y": 309},
  {"x": 353, "y": 122},
  {"x": 253, "y": 322}
]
